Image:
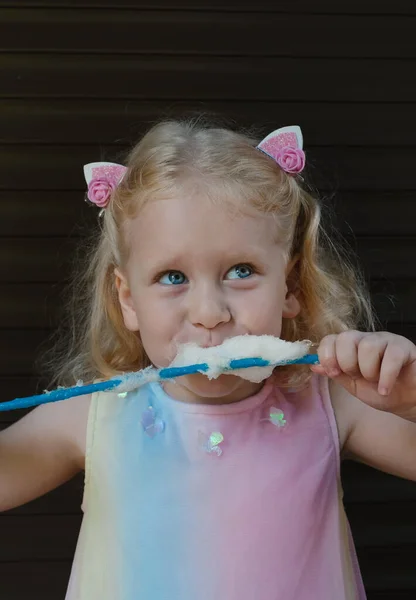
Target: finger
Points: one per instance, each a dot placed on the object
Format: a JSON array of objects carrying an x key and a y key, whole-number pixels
[
  {"x": 347, "y": 352},
  {"x": 318, "y": 369},
  {"x": 371, "y": 350},
  {"x": 395, "y": 357},
  {"x": 327, "y": 356}
]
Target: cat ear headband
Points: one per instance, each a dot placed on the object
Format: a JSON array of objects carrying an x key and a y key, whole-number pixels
[{"x": 284, "y": 145}]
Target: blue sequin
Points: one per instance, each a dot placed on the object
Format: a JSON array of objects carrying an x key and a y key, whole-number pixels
[{"x": 151, "y": 423}]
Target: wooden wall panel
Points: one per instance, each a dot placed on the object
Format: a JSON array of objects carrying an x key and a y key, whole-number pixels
[
  {"x": 44, "y": 579},
  {"x": 193, "y": 33},
  {"x": 294, "y": 7},
  {"x": 86, "y": 121},
  {"x": 167, "y": 77},
  {"x": 81, "y": 80}
]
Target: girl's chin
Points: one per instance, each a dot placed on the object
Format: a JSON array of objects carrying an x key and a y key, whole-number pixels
[{"x": 199, "y": 389}]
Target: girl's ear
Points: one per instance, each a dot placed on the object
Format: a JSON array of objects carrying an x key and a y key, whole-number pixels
[
  {"x": 291, "y": 305},
  {"x": 126, "y": 301}
]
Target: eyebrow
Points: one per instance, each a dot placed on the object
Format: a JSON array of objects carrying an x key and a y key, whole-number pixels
[{"x": 232, "y": 258}]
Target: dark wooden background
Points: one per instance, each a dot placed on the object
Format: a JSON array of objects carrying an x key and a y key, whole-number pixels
[{"x": 80, "y": 81}]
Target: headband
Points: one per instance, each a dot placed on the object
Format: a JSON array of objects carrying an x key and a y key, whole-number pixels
[{"x": 283, "y": 145}]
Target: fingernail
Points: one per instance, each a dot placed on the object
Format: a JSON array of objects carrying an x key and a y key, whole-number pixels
[{"x": 384, "y": 391}]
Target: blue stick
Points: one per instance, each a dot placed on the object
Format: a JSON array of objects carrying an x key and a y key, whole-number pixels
[{"x": 168, "y": 373}]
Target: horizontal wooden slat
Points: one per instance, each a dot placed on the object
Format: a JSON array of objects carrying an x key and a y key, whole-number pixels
[
  {"x": 64, "y": 500},
  {"x": 52, "y": 537},
  {"x": 378, "y": 524},
  {"x": 300, "y": 6},
  {"x": 363, "y": 484},
  {"x": 173, "y": 32},
  {"x": 358, "y": 168},
  {"x": 391, "y": 594},
  {"x": 387, "y": 258},
  {"x": 46, "y": 580},
  {"x": 388, "y": 569},
  {"x": 35, "y": 259},
  {"x": 394, "y": 301},
  {"x": 202, "y": 78},
  {"x": 357, "y": 211},
  {"x": 47, "y": 260},
  {"x": 38, "y": 305},
  {"x": 86, "y": 121},
  {"x": 31, "y": 306},
  {"x": 13, "y": 387},
  {"x": 46, "y": 213},
  {"x": 340, "y": 168},
  {"x": 19, "y": 351},
  {"x": 63, "y": 213}
]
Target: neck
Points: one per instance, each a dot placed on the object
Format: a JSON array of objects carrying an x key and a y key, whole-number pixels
[{"x": 197, "y": 389}]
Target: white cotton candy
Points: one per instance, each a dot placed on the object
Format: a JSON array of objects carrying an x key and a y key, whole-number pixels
[
  {"x": 268, "y": 347},
  {"x": 131, "y": 381}
]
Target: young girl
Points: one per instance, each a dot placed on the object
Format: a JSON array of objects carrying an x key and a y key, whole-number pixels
[{"x": 198, "y": 488}]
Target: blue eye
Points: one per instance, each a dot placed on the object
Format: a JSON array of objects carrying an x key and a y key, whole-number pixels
[
  {"x": 240, "y": 272},
  {"x": 173, "y": 278}
]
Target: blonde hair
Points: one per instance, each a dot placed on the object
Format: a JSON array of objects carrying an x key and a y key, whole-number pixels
[{"x": 226, "y": 165}]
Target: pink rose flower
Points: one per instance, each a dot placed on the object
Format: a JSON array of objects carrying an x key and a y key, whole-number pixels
[
  {"x": 291, "y": 160},
  {"x": 100, "y": 190}
]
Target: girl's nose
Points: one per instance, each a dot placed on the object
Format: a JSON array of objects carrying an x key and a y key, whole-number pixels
[{"x": 208, "y": 307}]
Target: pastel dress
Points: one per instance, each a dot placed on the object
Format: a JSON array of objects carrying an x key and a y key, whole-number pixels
[{"x": 239, "y": 501}]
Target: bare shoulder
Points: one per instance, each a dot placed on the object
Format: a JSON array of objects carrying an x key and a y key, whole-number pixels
[
  {"x": 65, "y": 421},
  {"x": 70, "y": 419}
]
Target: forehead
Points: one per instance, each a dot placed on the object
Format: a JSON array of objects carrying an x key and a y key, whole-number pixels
[{"x": 193, "y": 223}]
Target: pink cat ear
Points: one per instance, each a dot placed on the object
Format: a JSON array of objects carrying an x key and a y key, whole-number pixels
[
  {"x": 102, "y": 179},
  {"x": 104, "y": 170},
  {"x": 285, "y": 147},
  {"x": 280, "y": 138}
]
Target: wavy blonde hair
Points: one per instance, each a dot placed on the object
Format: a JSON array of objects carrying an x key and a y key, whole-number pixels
[{"x": 227, "y": 166}]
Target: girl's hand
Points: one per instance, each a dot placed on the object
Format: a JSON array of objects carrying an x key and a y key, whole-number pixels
[{"x": 378, "y": 368}]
